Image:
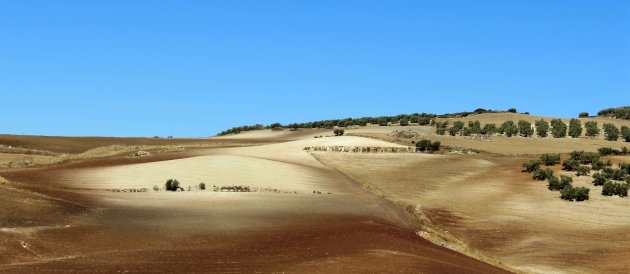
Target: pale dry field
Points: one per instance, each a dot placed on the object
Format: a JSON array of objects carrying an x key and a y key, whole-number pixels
[
  {"x": 69, "y": 220},
  {"x": 500, "y": 212}
]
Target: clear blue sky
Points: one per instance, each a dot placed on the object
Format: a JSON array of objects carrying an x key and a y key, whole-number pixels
[{"x": 193, "y": 68}]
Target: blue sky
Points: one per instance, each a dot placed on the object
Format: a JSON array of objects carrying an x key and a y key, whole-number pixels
[{"x": 193, "y": 68}]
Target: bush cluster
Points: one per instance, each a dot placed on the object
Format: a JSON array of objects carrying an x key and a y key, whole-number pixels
[
  {"x": 584, "y": 157},
  {"x": 440, "y": 127},
  {"x": 426, "y": 145},
  {"x": 605, "y": 151},
  {"x": 619, "y": 112},
  {"x": 550, "y": 159},
  {"x": 172, "y": 185},
  {"x": 571, "y": 193},
  {"x": 599, "y": 179},
  {"x": 508, "y": 128},
  {"x": 615, "y": 188},
  {"x": 553, "y": 183},
  {"x": 338, "y": 132},
  {"x": 542, "y": 174},
  {"x": 531, "y": 166}
]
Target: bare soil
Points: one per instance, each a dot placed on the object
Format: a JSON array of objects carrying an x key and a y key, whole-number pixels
[{"x": 62, "y": 218}]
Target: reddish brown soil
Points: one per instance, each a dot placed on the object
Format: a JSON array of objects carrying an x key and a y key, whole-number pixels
[
  {"x": 96, "y": 236},
  {"x": 74, "y": 145}
]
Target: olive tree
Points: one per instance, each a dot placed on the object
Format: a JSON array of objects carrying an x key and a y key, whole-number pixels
[
  {"x": 525, "y": 128},
  {"x": 611, "y": 132},
  {"x": 508, "y": 128},
  {"x": 575, "y": 128},
  {"x": 558, "y": 128},
  {"x": 542, "y": 128},
  {"x": 625, "y": 133},
  {"x": 591, "y": 128}
]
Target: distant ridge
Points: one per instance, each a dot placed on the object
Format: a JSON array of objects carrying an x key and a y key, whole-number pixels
[{"x": 403, "y": 119}]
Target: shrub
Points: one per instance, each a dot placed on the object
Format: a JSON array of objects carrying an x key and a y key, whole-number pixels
[
  {"x": 591, "y": 128},
  {"x": 605, "y": 151},
  {"x": 512, "y": 110},
  {"x": 475, "y": 127},
  {"x": 570, "y": 165},
  {"x": 553, "y": 183},
  {"x": 525, "y": 128},
  {"x": 423, "y": 145},
  {"x": 172, "y": 185},
  {"x": 338, "y": 132},
  {"x": 202, "y": 186},
  {"x": 542, "y": 128},
  {"x": 625, "y": 133},
  {"x": 403, "y": 122},
  {"x": 558, "y": 128},
  {"x": 583, "y": 115},
  {"x": 625, "y": 167},
  {"x": 608, "y": 172},
  {"x": 382, "y": 121},
  {"x": 597, "y": 165},
  {"x": 156, "y": 188},
  {"x": 575, "y": 128},
  {"x": 489, "y": 129},
  {"x": 467, "y": 131},
  {"x": 584, "y": 157},
  {"x": 611, "y": 132},
  {"x": 441, "y": 127},
  {"x": 550, "y": 159},
  {"x": 508, "y": 128},
  {"x": 531, "y": 166},
  {"x": 614, "y": 188},
  {"x": 435, "y": 146},
  {"x": 599, "y": 179},
  {"x": 542, "y": 175},
  {"x": 423, "y": 121},
  {"x": 618, "y": 174},
  {"x": 456, "y": 128},
  {"x": 583, "y": 170},
  {"x": 571, "y": 193},
  {"x": 427, "y": 145},
  {"x": 618, "y": 112}
]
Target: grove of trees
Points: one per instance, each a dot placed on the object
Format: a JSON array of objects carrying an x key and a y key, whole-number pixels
[{"x": 619, "y": 112}]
